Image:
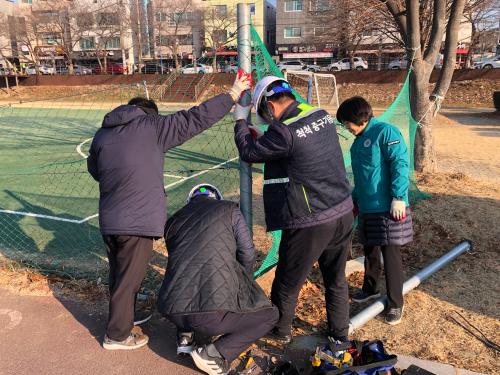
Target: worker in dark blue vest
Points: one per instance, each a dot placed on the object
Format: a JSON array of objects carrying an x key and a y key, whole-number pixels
[
  {"x": 306, "y": 195},
  {"x": 208, "y": 287}
]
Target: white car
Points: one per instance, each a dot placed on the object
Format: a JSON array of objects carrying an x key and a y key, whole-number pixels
[
  {"x": 45, "y": 70},
  {"x": 345, "y": 64},
  {"x": 291, "y": 65},
  {"x": 233, "y": 68},
  {"x": 398, "y": 64},
  {"x": 491, "y": 63},
  {"x": 313, "y": 68},
  {"x": 200, "y": 68}
]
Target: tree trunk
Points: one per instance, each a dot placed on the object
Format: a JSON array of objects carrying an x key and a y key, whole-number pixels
[
  {"x": 424, "y": 153},
  {"x": 473, "y": 42},
  {"x": 70, "y": 66}
]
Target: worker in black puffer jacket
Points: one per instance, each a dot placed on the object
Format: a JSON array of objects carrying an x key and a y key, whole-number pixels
[{"x": 208, "y": 287}]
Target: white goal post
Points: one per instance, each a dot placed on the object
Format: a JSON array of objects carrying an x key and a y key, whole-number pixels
[{"x": 319, "y": 89}]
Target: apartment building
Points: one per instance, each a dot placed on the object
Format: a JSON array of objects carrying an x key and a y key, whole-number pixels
[{"x": 296, "y": 32}]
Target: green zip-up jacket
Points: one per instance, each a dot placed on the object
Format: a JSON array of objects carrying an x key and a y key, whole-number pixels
[{"x": 380, "y": 166}]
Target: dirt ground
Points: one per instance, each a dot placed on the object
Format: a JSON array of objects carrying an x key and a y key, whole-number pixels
[{"x": 465, "y": 203}]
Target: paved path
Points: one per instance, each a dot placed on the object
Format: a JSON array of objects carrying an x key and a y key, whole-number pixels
[{"x": 42, "y": 335}]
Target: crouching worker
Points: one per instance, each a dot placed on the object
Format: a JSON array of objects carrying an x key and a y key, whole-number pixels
[
  {"x": 381, "y": 177},
  {"x": 208, "y": 287}
]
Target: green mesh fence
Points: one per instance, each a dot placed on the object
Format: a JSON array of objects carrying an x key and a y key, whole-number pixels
[
  {"x": 398, "y": 114},
  {"x": 49, "y": 202}
]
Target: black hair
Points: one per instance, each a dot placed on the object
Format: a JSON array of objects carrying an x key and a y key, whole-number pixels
[
  {"x": 147, "y": 105},
  {"x": 356, "y": 110},
  {"x": 263, "y": 110}
]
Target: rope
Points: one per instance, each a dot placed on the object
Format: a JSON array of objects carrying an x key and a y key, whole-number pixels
[{"x": 474, "y": 331}]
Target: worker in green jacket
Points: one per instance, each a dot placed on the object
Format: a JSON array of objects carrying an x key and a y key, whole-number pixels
[{"x": 380, "y": 166}]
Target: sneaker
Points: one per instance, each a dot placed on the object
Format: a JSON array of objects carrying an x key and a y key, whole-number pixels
[
  {"x": 362, "y": 296},
  {"x": 133, "y": 341},
  {"x": 141, "y": 317},
  {"x": 275, "y": 335},
  {"x": 209, "y": 360},
  {"x": 185, "y": 342},
  {"x": 394, "y": 315}
]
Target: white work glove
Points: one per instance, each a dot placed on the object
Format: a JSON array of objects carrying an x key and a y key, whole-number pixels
[
  {"x": 398, "y": 209},
  {"x": 241, "y": 112},
  {"x": 242, "y": 83}
]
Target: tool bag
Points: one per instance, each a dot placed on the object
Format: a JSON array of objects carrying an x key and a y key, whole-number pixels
[{"x": 368, "y": 358}]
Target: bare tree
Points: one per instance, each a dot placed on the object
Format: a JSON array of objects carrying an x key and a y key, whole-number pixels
[
  {"x": 5, "y": 40},
  {"x": 174, "y": 25},
  {"x": 422, "y": 25},
  {"x": 29, "y": 27},
  {"x": 482, "y": 15},
  {"x": 344, "y": 24},
  {"x": 219, "y": 20}
]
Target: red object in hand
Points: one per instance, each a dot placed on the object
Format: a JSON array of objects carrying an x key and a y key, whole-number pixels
[{"x": 249, "y": 75}]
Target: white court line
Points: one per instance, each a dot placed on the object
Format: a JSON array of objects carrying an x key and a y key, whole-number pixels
[
  {"x": 79, "y": 148},
  {"x": 172, "y": 175},
  {"x": 20, "y": 213},
  {"x": 56, "y": 218},
  {"x": 200, "y": 173}
]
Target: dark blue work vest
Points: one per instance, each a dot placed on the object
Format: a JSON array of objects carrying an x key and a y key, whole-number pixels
[{"x": 301, "y": 189}]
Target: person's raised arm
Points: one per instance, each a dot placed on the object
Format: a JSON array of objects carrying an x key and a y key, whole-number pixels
[{"x": 179, "y": 127}]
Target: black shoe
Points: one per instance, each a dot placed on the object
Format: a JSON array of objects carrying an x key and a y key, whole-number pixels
[
  {"x": 276, "y": 336},
  {"x": 362, "y": 296},
  {"x": 394, "y": 315},
  {"x": 209, "y": 360},
  {"x": 141, "y": 317},
  {"x": 185, "y": 342}
]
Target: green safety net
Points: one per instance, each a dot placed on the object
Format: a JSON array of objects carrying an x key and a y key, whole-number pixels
[{"x": 398, "y": 114}]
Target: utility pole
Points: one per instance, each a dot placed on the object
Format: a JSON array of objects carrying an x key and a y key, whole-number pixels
[{"x": 245, "y": 63}]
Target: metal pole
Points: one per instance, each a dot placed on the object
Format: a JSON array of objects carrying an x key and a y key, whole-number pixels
[
  {"x": 245, "y": 63},
  {"x": 146, "y": 89},
  {"x": 378, "y": 306}
]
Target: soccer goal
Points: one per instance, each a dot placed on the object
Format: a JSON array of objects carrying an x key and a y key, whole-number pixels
[{"x": 319, "y": 89}]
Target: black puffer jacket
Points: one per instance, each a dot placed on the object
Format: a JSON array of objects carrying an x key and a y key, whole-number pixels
[
  {"x": 379, "y": 229},
  {"x": 127, "y": 156},
  {"x": 210, "y": 261}
]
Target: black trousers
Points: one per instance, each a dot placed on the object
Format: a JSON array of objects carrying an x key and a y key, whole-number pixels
[
  {"x": 238, "y": 330},
  {"x": 329, "y": 244},
  {"x": 128, "y": 261},
  {"x": 393, "y": 266}
]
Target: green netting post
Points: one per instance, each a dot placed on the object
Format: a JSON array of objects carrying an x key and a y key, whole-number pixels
[{"x": 245, "y": 63}]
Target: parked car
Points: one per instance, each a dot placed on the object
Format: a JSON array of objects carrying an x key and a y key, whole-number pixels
[
  {"x": 398, "y": 64},
  {"x": 200, "y": 68},
  {"x": 78, "y": 70},
  {"x": 489, "y": 63},
  {"x": 345, "y": 64},
  {"x": 45, "y": 70},
  {"x": 313, "y": 68},
  {"x": 233, "y": 68},
  {"x": 155, "y": 68},
  {"x": 111, "y": 68},
  {"x": 291, "y": 65}
]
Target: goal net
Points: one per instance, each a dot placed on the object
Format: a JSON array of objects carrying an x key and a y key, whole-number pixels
[{"x": 319, "y": 89}]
